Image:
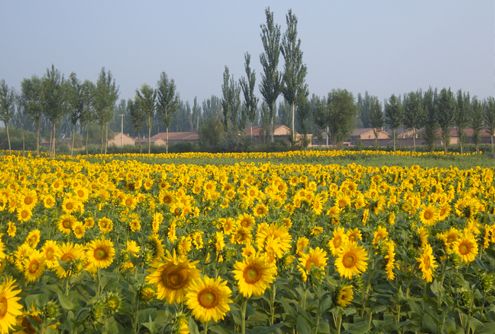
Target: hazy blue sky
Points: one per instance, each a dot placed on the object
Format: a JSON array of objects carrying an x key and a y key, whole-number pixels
[{"x": 384, "y": 47}]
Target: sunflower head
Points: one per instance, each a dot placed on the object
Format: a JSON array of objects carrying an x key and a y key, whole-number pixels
[
  {"x": 345, "y": 296},
  {"x": 10, "y": 308},
  {"x": 209, "y": 299},
  {"x": 254, "y": 275},
  {"x": 351, "y": 260}
]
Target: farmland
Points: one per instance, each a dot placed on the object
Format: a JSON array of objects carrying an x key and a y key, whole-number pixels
[{"x": 293, "y": 242}]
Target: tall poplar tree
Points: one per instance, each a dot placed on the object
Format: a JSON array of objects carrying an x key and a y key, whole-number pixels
[
  {"x": 32, "y": 100},
  {"x": 489, "y": 119},
  {"x": 167, "y": 102},
  {"x": 376, "y": 117},
  {"x": 247, "y": 85},
  {"x": 105, "y": 97},
  {"x": 413, "y": 113},
  {"x": 446, "y": 109},
  {"x": 270, "y": 78},
  {"x": 7, "y": 107},
  {"x": 294, "y": 87},
  {"x": 393, "y": 116},
  {"x": 145, "y": 99}
]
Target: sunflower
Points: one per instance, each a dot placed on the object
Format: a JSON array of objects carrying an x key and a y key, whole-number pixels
[
  {"x": 70, "y": 205},
  {"x": 34, "y": 266},
  {"x": 466, "y": 248},
  {"x": 380, "y": 234},
  {"x": 339, "y": 238},
  {"x": 173, "y": 277},
  {"x": 105, "y": 225},
  {"x": 69, "y": 256},
  {"x": 24, "y": 214},
  {"x": 9, "y": 305},
  {"x": 49, "y": 250},
  {"x": 209, "y": 299},
  {"x": 254, "y": 275},
  {"x": 316, "y": 258},
  {"x": 427, "y": 262},
  {"x": 65, "y": 224},
  {"x": 100, "y": 253},
  {"x": 428, "y": 215},
  {"x": 345, "y": 296},
  {"x": 29, "y": 199},
  {"x": 245, "y": 220},
  {"x": 260, "y": 210},
  {"x": 49, "y": 201},
  {"x": 33, "y": 238},
  {"x": 351, "y": 260}
]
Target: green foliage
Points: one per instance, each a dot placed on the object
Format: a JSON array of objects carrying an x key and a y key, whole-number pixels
[
  {"x": 231, "y": 103},
  {"x": 337, "y": 114},
  {"x": 270, "y": 87},
  {"x": 247, "y": 85},
  {"x": 445, "y": 106},
  {"x": 167, "y": 99}
]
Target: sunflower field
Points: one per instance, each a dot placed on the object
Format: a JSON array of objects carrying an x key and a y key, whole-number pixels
[{"x": 115, "y": 244}]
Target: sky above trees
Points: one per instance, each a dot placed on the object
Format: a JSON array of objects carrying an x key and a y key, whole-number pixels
[{"x": 383, "y": 47}]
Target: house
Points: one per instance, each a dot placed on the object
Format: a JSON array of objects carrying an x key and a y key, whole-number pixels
[
  {"x": 160, "y": 139},
  {"x": 121, "y": 139},
  {"x": 367, "y": 137},
  {"x": 281, "y": 133},
  {"x": 454, "y": 138}
]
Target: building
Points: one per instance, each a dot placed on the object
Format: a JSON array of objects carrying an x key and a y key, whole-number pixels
[
  {"x": 369, "y": 137},
  {"x": 120, "y": 140},
  {"x": 160, "y": 139},
  {"x": 281, "y": 133}
]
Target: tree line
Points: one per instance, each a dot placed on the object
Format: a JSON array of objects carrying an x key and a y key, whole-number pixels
[{"x": 55, "y": 106}]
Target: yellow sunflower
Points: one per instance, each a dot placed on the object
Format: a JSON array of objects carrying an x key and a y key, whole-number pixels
[
  {"x": 428, "y": 215},
  {"x": 427, "y": 263},
  {"x": 34, "y": 266},
  {"x": 65, "y": 224},
  {"x": 345, "y": 296},
  {"x": 351, "y": 260},
  {"x": 316, "y": 258},
  {"x": 339, "y": 238},
  {"x": 24, "y": 214},
  {"x": 100, "y": 253},
  {"x": 173, "y": 277},
  {"x": 9, "y": 305},
  {"x": 209, "y": 299},
  {"x": 254, "y": 275},
  {"x": 466, "y": 248}
]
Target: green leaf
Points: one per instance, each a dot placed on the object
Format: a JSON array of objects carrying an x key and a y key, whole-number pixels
[
  {"x": 486, "y": 328},
  {"x": 65, "y": 301},
  {"x": 361, "y": 327},
  {"x": 193, "y": 327},
  {"x": 303, "y": 326}
]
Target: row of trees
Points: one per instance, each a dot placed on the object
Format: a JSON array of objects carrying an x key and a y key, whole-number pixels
[{"x": 433, "y": 110}]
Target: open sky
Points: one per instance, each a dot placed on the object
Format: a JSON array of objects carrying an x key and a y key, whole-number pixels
[{"x": 382, "y": 46}]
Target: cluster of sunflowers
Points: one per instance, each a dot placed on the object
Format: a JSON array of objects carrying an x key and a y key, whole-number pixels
[{"x": 126, "y": 246}]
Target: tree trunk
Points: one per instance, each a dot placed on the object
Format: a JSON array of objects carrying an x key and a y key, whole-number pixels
[
  {"x": 23, "y": 140},
  {"x": 73, "y": 140},
  {"x": 328, "y": 137},
  {"x": 54, "y": 139},
  {"x": 38, "y": 137},
  {"x": 8, "y": 134},
  {"x": 106, "y": 138},
  {"x": 272, "y": 125},
  {"x": 149, "y": 135},
  {"x": 102, "y": 137},
  {"x": 376, "y": 137},
  {"x": 293, "y": 125},
  {"x": 166, "y": 141},
  {"x": 491, "y": 141},
  {"x": 394, "y": 136},
  {"x": 87, "y": 138},
  {"x": 414, "y": 139}
]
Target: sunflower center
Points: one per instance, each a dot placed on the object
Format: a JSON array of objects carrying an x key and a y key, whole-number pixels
[
  {"x": 349, "y": 260},
  {"x": 251, "y": 275},
  {"x": 24, "y": 214},
  {"x": 175, "y": 279},
  {"x": 463, "y": 249},
  {"x": 28, "y": 200},
  {"x": 100, "y": 254},
  {"x": 69, "y": 206},
  {"x": 66, "y": 223},
  {"x": 207, "y": 298},
  {"x": 428, "y": 215},
  {"x": 4, "y": 306},
  {"x": 34, "y": 266}
]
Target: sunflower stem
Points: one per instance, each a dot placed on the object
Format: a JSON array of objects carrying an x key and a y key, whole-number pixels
[
  {"x": 243, "y": 316},
  {"x": 206, "y": 329},
  {"x": 272, "y": 304}
]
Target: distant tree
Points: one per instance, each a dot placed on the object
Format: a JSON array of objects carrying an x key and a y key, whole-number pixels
[
  {"x": 196, "y": 114},
  {"x": 446, "y": 109},
  {"x": 413, "y": 113},
  {"x": 138, "y": 119},
  {"x": 393, "y": 116},
  {"x": 7, "y": 107},
  {"x": 376, "y": 116},
  {"x": 363, "y": 106},
  {"x": 32, "y": 101},
  {"x": 476, "y": 120},
  {"x": 105, "y": 97},
  {"x": 489, "y": 119},
  {"x": 53, "y": 101},
  {"x": 248, "y": 84},
  {"x": 88, "y": 114},
  {"x": 167, "y": 101},
  {"x": 431, "y": 124},
  {"x": 212, "y": 107},
  {"x": 231, "y": 103},
  {"x": 270, "y": 79},
  {"x": 337, "y": 114},
  {"x": 145, "y": 100},
  {"x": 462, "y": 114},
  {"x": 75, "y": 100},
  {"x": 294, "y": 87}
]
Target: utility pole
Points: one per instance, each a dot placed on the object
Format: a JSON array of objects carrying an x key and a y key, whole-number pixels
[{"x": 122, "y": 131}]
